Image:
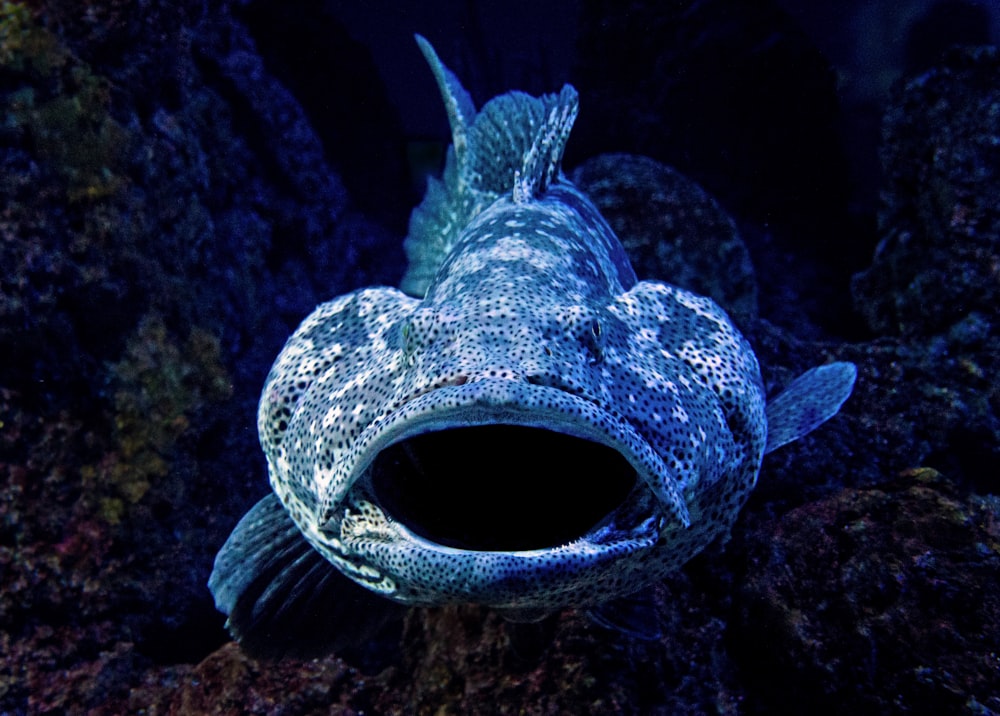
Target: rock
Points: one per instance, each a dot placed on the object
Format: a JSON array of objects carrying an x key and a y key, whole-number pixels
[
  {"x": 884, "y": 600},
  {"x": 936, "y": 263},
  {"x": 672, "y": 229}
]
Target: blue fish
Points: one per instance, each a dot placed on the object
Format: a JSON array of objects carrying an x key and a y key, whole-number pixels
[{"x": 525, "y": 425}]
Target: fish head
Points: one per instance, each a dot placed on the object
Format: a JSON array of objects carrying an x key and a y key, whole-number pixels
[
  {"x": 505, "y": 337},
  {"x": 517, "y": 452}
]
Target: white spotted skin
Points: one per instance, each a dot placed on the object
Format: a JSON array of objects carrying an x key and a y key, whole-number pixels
[{"x": 535, "y": 318}]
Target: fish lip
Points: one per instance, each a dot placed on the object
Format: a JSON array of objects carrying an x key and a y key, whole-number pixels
[
  {"x": 570, "y": 573},
  {"x": 506, "y": 401}
]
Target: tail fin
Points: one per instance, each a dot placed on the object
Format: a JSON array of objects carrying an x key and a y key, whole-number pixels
[{"x": 513, "y": 145}]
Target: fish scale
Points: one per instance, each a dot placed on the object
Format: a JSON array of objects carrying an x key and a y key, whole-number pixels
[{"x": 527, "y": 426}]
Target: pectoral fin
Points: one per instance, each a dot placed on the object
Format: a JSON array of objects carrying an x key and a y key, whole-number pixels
[
  {"x": 283, "y": 598},
  {"x": 808, "y": 402}
]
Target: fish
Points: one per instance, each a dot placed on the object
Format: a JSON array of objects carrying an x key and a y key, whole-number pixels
[{"x": 523, "y": 424}]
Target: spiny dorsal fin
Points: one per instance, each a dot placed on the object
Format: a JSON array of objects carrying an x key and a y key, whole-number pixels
[
  {"x": 544, "y": 159},
  {"x": 513, "y": 146},
  {"x": 808, "y": 402}
]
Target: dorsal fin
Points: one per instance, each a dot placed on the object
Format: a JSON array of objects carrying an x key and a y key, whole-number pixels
[
  {"x": 457, "y": 102},
  {"x": 513, "y": 146},
  {"x": 543, "y": 160},
  {"x": 808, "y": 402},
  {"x": 517, "y": 142}
]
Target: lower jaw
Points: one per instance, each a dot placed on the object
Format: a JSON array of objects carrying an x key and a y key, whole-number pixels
[{"x": 422, "y": 572}]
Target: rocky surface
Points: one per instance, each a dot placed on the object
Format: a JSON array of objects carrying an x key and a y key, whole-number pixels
[
  {"x": 936, "y": 269},
  {"x": 882, "y": 599}
]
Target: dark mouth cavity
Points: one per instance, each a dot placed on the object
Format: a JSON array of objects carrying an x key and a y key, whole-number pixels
[{"x": 500, "y": 487}]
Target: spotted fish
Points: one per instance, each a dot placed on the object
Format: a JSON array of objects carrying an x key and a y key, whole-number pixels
[{"x": 524, "y": 426}]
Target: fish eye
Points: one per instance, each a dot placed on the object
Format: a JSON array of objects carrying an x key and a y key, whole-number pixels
[{"x": 407, "y": 337}]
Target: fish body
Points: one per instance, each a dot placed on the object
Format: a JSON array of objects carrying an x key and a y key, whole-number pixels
[{"x": 526, "y": 427}]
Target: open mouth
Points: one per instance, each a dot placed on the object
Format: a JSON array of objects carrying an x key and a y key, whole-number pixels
[{"x": 500, "y": 487}]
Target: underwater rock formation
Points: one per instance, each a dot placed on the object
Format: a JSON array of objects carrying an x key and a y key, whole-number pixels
[
  {"x": 671, "y": 227},
  {"x": 936, "y": 267},
  {"x": 877, "y": 598}
]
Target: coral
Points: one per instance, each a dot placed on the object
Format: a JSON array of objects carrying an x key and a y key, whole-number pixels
[
  {"x": 458, "y": 658},
  {"x": 76, "y": 134},
  {"x": 64, "y": 111},
  {"x": 228, "y": 682},
  {"x": 62, "y": 176},
  {"x": 24, "y": 45}
]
